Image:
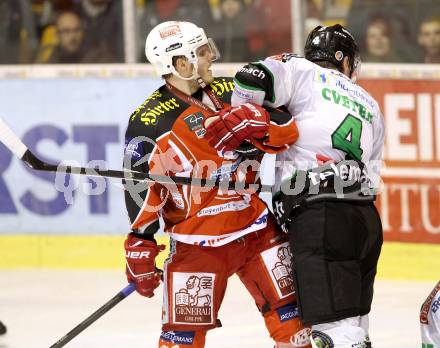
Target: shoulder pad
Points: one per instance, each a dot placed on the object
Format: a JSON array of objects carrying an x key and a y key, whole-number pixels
[
  {"x": 155, "y": 107},
  {"x": 256, "y": 76},
  {"x": 223, "y": 88}
]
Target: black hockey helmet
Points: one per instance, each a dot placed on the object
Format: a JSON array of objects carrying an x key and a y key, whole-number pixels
[{"x": 332, "y": 44}]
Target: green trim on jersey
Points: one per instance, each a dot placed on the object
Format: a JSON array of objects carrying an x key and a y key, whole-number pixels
[{"x": 266, "y": 69}]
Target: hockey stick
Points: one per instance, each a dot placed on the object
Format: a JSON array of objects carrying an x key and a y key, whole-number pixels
[
  {"x": 95, "y": 316},
  {"x": 16, "y": 146}
]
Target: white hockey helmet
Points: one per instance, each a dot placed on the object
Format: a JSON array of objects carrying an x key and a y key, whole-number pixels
[{"x": 170, "y": 39}]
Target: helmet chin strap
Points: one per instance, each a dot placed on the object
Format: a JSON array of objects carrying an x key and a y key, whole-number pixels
[
  {"x": 195, "y": 75},
  {"x": 175, "y": 72}
]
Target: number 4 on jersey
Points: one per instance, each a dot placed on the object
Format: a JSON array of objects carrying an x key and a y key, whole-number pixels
[{"x": 347, "y": 137}]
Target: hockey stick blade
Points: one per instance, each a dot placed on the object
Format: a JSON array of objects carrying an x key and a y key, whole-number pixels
[
  {"x": 16, "y": 146},
  {"x": 95, "y": 316},
  {"x": 11, "y": 141}
]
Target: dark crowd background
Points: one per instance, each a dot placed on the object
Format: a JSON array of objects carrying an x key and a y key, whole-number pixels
[{"x": 91, "y": 31}]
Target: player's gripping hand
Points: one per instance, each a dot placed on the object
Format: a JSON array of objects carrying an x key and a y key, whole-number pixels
[
  {"x": 140, "y": 266},
  {"x": 232, "y": 126}
]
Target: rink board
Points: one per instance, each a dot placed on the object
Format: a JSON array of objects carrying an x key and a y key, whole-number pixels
[
  {"x": 80, "y": 114},
  {"x": 408, "y": 261}
]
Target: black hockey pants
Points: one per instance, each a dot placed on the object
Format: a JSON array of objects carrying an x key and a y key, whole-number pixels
[{"x": 335, "y": 247}]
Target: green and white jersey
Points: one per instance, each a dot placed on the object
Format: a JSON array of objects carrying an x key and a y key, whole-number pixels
[
  {"x": 430, "y": 319},
  {"x": 335, "y": 117}
]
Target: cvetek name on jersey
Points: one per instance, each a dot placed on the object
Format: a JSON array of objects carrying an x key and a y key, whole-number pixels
[{"x": 341, "y": 99}]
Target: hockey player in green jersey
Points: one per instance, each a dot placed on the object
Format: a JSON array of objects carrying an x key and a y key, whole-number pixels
[{"x": 335, "y": 237}]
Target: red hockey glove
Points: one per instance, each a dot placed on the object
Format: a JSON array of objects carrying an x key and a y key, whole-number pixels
[
  {"x": 140, "y": 267},
  {"x": 232, "y": 126}
]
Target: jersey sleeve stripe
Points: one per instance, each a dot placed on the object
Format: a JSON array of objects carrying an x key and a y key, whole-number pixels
[
  {"x": 248, "y": 87},
  {"x": 271, "y": 96}
]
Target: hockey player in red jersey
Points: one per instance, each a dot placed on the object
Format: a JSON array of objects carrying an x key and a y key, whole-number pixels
[{"x": 214, "y": 232}]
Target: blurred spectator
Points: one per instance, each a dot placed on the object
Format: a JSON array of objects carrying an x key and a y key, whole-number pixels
[
  {"x": 379, "y": 42},
  {"x": 18, "y": 41},
  {"x": 152, "y": 12},
  {"x": 400, "y": 18},
  {"x": 70, "y": 47},
  {"x": 103, "y": 27},
  {"x": 429, "y": 39},
  {"x": 227, "y": 31},
  {"x": 44, "y": 12},
  {"x": 269, "y": 28}
]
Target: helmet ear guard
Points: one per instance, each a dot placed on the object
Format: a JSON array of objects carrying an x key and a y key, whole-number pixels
[{"x": 332, "y": 44}]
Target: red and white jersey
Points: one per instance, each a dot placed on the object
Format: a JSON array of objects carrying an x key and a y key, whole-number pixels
[
  {"x": 430, "y": 319},
  {"x": 202, "y": 215}
]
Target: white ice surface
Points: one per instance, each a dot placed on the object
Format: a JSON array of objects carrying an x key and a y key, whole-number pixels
[{"x": 39, "y": 307}]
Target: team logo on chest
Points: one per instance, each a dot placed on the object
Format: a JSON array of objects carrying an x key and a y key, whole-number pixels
[
  {"x": 193, "y": 297},
  {"x": 195, "y": 124}
]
